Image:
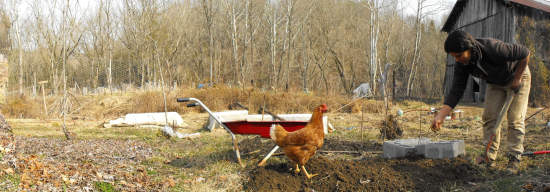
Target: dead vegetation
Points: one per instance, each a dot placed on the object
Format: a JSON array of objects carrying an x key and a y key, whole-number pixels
[
  {"x": 144, "y": 160},
  {"x": 21, "y": 107},
  {"x": 390, "y": 128},
  {"x": 216, "y": 98}
]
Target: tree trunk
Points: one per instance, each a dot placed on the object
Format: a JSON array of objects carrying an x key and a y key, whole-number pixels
[
  {"x": 234, "y": 42},
  {"x": 290, "y": 8},
  {"x": 373, "y": 43},
  {"x": 20, "y": 56},
  {"x": 416, "y": 53},
  {"x": 273, "y": 45}
]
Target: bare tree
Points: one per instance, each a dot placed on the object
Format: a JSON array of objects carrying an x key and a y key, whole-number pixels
[
  {"x": 374, "y": 6},
  {"x": 209, "y": 24},
  {"x": 423, "y": 9},
  {"x": 5, "y": 26},
  {"x": 323, "y": 45},
  {"x": 273, "y": 19},
  {"x": 234, "y": 16},
  {"x": 11, "y": 15}
]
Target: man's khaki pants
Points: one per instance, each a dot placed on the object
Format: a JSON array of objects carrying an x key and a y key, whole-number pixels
[{"x": 495, "y": 97}]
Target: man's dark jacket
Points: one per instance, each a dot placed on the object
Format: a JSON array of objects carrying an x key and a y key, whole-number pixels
[{"x": 492, "y": 60}]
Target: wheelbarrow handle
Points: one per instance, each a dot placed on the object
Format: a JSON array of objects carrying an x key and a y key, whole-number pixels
[
  {"x": 192, "y": 104},
  {"x": 535, "y": 153},
  {"x": 186, "y": 99}
]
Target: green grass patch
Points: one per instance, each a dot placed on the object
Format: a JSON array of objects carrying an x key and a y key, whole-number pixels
[
  {"x": 507, "y": 184},
  {"x": 104, "y": 186},
  {"x": 10, "y": 182}
]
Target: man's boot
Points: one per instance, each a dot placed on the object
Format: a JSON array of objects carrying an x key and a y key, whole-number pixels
[
  {"x": 483, "y": 160},
  {"x": 513, "y": 164}
]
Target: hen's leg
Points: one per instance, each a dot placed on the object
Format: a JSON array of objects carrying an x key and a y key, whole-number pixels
[
  {"x": 297, "y": 169},
  {"x": 307, "y": 174}
]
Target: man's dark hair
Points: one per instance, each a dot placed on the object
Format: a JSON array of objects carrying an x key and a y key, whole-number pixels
[{"x": 459, "y": 41}]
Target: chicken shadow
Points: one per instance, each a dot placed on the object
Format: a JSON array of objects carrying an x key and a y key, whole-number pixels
[{"x": 282, "y": 167}]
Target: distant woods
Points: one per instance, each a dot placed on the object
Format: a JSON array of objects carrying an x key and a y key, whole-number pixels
[{"x": 327, "y": 46}]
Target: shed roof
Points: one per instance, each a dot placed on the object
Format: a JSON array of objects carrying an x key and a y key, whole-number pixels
[{"x": 542, "y": 5}]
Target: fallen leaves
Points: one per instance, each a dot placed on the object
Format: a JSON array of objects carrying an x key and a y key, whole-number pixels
[{"x": 48, "y": 164}]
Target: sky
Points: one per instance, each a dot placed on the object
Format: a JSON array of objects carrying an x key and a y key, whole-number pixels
[
  {"x": 438, "y": 8},
  {"x": 444, "y": 5}
]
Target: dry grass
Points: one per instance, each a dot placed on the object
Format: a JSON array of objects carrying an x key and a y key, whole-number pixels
[
  {"x": 219, "y": 98},
  {"x": 21, "y": 107},
  {"x": 207, "y": 163},
  {"x": 107, "y": 106}
]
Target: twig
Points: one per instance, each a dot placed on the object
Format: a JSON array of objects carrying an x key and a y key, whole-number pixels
[
  {"x": 79, "y": 108},
  {"x": 272, "y": 114},
  {"x": 362, "y": 120},
  {"x": 352, "y": 101},
  {"x": 241, "y": 106},
  {"x": 545, "y": 107},
  {"x": 252, "y": 152},
  {"x": 352, "y": 152}
]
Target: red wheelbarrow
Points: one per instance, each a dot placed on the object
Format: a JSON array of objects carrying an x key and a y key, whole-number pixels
[{"x": 245, "y": 127}]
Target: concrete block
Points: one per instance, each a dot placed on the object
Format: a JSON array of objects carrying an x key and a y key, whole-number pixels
[
  {"x": 445, "y": 149},
  {"x": 404, "y": 147}
]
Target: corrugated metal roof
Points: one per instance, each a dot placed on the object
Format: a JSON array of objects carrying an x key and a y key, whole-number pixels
[
  {"x": 453, "y": 16},
  {"x": 537, "y": 4},
  {"x": 543, "y": 5}
]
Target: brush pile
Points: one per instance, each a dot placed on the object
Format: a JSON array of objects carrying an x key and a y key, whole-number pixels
[{"x": 390, "y": 128}]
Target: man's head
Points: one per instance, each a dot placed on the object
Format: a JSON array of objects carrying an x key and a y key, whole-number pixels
[{"x": 459, "y": 44}]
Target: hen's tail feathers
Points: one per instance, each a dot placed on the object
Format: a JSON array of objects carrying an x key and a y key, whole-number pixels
[{"x": 277, "y": 133}]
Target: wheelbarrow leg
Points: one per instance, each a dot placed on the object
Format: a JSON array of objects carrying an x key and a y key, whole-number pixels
[
  {"x": 235, "y": 143},
  {"x": 262, "y": 163},
  {"x": 236, "y": 149}
]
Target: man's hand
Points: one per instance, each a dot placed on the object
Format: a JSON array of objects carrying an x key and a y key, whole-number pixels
[
  {"x": 440, "y": 117},
  {"x": 515, "y": 85}
]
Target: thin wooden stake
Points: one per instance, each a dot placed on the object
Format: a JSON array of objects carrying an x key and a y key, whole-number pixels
[
  {"x": 44, "y": 97},
  {"x": 263, "y": 107},
  {"x": 419, "y": 127},
  {"x": 362, "y": 120}
]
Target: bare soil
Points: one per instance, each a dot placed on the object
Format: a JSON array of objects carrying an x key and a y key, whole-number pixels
[
  {"x": 361, "y": 173},
  {"x": 375, "y": 174}
]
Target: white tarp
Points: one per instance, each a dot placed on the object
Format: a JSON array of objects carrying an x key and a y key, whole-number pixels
[
  {"x": 225, "y": 116},
  {"x": 228, "y": 116},
  {"x": 131, "y": 119},
  {"x": 291, "y": 117},
  {"x": 363, "y": 90},
  {"x": 170, "y": 132}
]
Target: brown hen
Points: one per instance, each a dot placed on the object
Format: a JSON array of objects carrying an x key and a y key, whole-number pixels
[{"x": 302, "y": 144}]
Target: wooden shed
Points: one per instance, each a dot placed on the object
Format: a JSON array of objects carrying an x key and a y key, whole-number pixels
[{"x": 500, "y": 19}]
